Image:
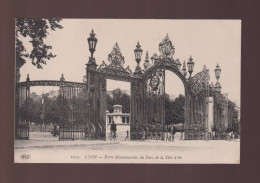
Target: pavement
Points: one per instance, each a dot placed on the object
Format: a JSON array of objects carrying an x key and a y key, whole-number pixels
[
  {"x": 47, "y": 140},
  {"x": 44, "y": 148}
]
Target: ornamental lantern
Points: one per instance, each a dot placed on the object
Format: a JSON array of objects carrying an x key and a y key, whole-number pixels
[
  {"x": 138, "y": 53},
  {"x": 190, "y": 65},
  {"x": 92, "y": 42},
  {"x": 217, "y": 72}
]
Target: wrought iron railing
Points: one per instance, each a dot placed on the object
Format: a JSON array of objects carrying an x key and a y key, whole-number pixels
[
  {"x": 72, "y": 132},
  {"x": 22, "y": 130}
]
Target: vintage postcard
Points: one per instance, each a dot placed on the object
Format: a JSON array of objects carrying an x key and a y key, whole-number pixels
[{"x": 127, "y": 91}]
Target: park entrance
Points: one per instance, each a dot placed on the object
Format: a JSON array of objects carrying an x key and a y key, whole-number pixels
[{"x": 147, "y": 104}]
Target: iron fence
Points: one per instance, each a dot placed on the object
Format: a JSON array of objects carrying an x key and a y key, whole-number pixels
[
  {"x": 22, "y": 130},
  {"x": 72, "y": 132}
]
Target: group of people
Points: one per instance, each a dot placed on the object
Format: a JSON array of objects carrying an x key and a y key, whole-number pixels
[
  {"x": 228, "y": 136},
  {"x": 166, "y": 133},
  {"x": 95, "y": 132}
]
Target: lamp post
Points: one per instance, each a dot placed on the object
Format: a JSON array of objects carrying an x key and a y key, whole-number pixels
[
  {"x": 190, "y": 65},
  {"x": 92, "y": 42},
  {"x": 43, "y": 114},
  {"x": 217, "y": 71},
  {"x": 138, "y": 54}
]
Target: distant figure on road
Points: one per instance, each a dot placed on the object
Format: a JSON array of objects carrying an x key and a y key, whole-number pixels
[
  {"x": 113, "y": 129},
  {"x": 43, "y": 128},
  {"x": 55, "y": 130},
  {"x": 173, "y": 131},
  {"x": 93, "y": 131},
  {"x": 99, "y": 132}
]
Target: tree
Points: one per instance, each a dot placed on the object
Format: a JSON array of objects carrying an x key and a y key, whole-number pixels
[
  {"x": 110, "y": 103},
  {"x": 125, "y": 102},
  {"x": 179, "y": 105},
  {"x": 174, "y": 110},
  {"x": 233, "y": 116},
  {"x": 36, "y": 30},
  {"x": 169, "y": 117},
  {"x": 117, "y": 94},
  {"x": 120, "y": 98}
]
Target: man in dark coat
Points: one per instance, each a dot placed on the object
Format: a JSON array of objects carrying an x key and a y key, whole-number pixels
[
  {"x": 173, "y": 131},
  {"x": 113, "y": 129}
]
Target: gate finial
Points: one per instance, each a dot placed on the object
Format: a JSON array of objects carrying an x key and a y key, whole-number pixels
[
  {"x": 166, "y": 48},
  {"x": 28, "y": 78},
  {"x": 62, "y": 77}
]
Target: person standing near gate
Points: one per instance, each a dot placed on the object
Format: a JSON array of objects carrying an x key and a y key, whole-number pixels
[
  {"x": 173, "y": 131},
  {"x": 43, "y": 114},
  {"x": 113, "y": 129},
  {"x": 99, "y": 131}
]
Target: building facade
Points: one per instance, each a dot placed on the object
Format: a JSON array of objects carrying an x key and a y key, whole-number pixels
[{"x": 122, "y": 121}]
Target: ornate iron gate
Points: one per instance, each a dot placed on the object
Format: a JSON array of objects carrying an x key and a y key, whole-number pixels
[{"x": 147, "y": 90}]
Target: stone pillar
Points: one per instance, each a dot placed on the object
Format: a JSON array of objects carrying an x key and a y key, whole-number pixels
[
  {"x": 92, "y": 88},
  {"x": 103, "y": 100}
]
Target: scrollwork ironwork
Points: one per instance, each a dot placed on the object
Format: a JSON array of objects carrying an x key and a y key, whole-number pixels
[
  {"x": 116, "y": 58},
  {"x": 166, "y": 48},
  {"x": 103, "y": 83},
  {"x": 198, "y": 82},
  {"x": 52, "y": 83},
  {"x": 102, "y": 66},
  {"x": 128, "y": 70}
]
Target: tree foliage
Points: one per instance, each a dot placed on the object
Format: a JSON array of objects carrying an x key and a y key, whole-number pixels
[
  {"x": 233, "y": 117},
  {"x": 54, "y": 109},
  {"x": 36, "y": 30},
  {"x": 174, "y": 110},
  {"x": 118, "y": 97}
]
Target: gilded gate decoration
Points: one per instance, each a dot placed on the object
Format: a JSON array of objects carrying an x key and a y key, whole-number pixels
[{"x": 148, "y": 88}]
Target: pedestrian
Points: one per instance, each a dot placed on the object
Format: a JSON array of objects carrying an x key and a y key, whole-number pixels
[
  {"x": 54, "y": 130},
  {"x": 173, "y": 131},
  {"x": 113, "y": 129},
  {"x": 93, "y": 131},
  {"x": 169, "y": 134},
  {"x": 99, "y": 131}
]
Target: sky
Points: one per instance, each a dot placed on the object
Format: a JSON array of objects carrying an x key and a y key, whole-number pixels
[{"x": 208, "y": 41}]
